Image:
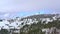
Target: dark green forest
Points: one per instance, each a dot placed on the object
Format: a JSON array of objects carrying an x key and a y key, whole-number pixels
[{"x": 36, "y": 28}]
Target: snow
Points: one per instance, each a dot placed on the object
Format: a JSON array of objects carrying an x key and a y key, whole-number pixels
[{"x": 5, "y": 24}]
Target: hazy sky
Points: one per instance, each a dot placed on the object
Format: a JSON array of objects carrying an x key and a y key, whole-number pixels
[{"x": 10, "y": 8}]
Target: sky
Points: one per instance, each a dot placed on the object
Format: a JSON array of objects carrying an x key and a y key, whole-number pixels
[{"x": 13, "y": 8}]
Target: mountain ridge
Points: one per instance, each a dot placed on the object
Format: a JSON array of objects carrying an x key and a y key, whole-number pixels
[{"x": 40, "y": 16}]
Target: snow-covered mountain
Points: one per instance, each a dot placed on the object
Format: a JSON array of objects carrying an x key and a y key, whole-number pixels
[{"x": 18, "y": 23}]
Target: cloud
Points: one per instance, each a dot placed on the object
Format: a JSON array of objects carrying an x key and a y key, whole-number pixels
[
  {"x": 6, "y": 15},
  {"x": 13, "y": 7},
  {"x": 28, "y": 5},
  {"x": 17, "y": 5}
]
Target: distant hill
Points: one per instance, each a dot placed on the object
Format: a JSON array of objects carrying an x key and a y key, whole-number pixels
[{"x": 40, "y": 16}]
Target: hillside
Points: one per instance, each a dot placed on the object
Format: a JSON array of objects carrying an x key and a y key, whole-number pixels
[
  {"x": 40, "y": 16},
  {"x": 34, "y": 24},
  {"x": 37, "y": 28}
]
